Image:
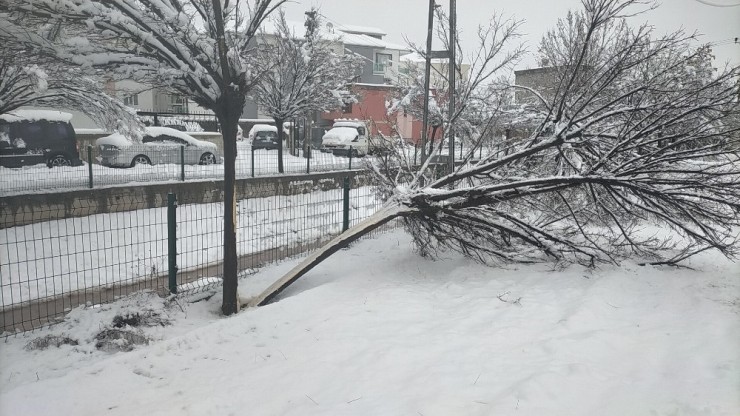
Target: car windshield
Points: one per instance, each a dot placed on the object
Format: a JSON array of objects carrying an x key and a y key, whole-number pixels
[{"x": 266, "y": 135}]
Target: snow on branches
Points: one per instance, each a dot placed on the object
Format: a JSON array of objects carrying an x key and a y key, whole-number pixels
[
  {"x": 299, "y": 75},
  {"x": 35, "y": 77},
  {"x": 172, "y": 43},
  {"x": 630, "y": 137}
]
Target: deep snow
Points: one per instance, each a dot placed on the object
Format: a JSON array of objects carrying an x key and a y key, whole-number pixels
[{"x": 377, "y": 330}]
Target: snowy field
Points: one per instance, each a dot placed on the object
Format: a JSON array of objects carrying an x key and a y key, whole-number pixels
[
  {"x": 61, "y": 256},
  {"x": 376, "y": 330},
  {"x": 39, "y": 178}
]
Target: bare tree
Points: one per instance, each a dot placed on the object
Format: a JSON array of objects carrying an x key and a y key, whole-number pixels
[
  {"x": 618, "y": 151},
  {"x": 301, "y": 75},
  {"x": 196, "y": 47},
  {"x": 476, "y": 72}
]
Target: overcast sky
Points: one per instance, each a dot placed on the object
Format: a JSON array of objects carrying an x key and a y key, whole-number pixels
[{"x": 401, "y": 18}]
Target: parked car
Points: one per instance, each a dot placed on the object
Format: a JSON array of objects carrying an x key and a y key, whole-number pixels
[
  {"x": 159, "y": 145},
  {"x": 346, "y": 134},
  {"x": 354, "y": 134},
  {"x": 30, "y": 137},
  {"x": 263, "y": 136}
]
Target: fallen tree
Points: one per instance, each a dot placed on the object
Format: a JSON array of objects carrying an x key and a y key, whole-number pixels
[{"x": 627, "y": 140}]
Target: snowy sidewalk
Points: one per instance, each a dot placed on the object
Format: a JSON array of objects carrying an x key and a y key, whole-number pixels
[{"x": 377, "y": 330}]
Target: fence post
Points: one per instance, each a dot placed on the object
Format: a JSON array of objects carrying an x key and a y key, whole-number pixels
[
  {"x": 308, "y": 162},
  {"x": 252, "y": 149},
  {"x": 172, "y": 241},
  {"x": 182, "y": 163},
  {"x": 350, "y": 158},
  {"x": 89, "y": 167},
  {"x": 345, "y": 207}
]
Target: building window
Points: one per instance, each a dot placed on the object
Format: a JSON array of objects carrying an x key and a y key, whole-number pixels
[
  {"x": 382, "y": 62},
  {"x": 347, "y": 107},
  {"x": 178, "y": 104},
  {"x": 130, "y": 100}
]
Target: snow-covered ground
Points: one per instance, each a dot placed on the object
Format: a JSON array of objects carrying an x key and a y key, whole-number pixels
[
  {"x": 377, "y": 330},
  {"x": 56, "y": 257},
  {"x": 39, "y": 178}
]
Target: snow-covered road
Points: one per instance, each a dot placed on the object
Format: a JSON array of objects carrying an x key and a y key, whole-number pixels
[{"x": 39, "y": 178}]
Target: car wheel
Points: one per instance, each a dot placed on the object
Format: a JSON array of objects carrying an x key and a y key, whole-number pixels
[
  {"x": 58, "y": 160},
  {"x": 140, "y": 160},
  {"x": 207, "y": 159}
]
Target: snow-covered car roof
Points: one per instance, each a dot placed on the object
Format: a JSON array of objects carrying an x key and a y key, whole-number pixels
[
  {"x": 341, "y": 133},
  {"x": 115, "y": 139},
  {"x": 262, "y": 127},
  {"x": 347, "y": 123},
  {"x": 36, "y": 115},
  {"x": 120, "y": 140}
]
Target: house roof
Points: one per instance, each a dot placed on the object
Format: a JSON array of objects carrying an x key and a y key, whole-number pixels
[{"x": 365, "y": 40}]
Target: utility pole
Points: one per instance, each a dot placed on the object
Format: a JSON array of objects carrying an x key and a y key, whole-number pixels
[
  {"x": 427, "y": 74},
  {"x": 452, "y": 73}
]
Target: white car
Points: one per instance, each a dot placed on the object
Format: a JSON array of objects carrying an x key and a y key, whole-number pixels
[{"x": 159, "y": 145}]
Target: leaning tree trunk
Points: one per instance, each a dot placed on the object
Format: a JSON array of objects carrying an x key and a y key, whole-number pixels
[
  {"x": 279, "y": 124},
  {"x": 375, "y": 221}
]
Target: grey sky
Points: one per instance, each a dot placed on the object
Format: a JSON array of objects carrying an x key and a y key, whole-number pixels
[{"x": 401, "y": 18}]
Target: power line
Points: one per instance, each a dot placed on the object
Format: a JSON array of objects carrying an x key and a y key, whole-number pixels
[
  {"x": 709, "y": 3},
  {"x": 723, "y": 42}
]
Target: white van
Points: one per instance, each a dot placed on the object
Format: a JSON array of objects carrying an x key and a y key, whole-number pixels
[{"x": 346, "y": 134}]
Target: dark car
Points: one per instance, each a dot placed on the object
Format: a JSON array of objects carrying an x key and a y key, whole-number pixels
[
  {"x": 263, "y": 136},
  {"x": 30, "y": 137},
  {"x": 265, "y": 140}
]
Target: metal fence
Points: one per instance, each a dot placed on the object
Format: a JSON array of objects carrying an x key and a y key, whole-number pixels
[
  {"x": 49, "y": 267},
  {"x": 249, "y": 163}
]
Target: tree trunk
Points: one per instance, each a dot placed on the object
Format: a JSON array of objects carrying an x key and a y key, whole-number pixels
[
  {"x": 230, "y": 303},
  {"x": 279, "y": 124},
  {"x": 380, "y": 218},
  {"x": 431, "y": 140}
]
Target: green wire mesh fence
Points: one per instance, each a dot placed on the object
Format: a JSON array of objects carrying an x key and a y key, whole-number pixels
[{"x": 93, "y": 249}]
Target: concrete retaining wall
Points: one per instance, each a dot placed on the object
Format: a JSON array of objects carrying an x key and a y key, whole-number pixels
[{"x": 32, "y": 208}]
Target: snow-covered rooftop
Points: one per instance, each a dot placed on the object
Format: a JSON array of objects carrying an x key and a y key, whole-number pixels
[
  {"x": 35, "y": 115},
  {"x": 360, "y": 30},
  {"x": 365, "y": 40},
  {"x": 347, "y": 34}
]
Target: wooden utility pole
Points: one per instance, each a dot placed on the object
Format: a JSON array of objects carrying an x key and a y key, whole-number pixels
[
  {"x": 427, "y": 74},
  {"x": 452, "y": 71}
]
